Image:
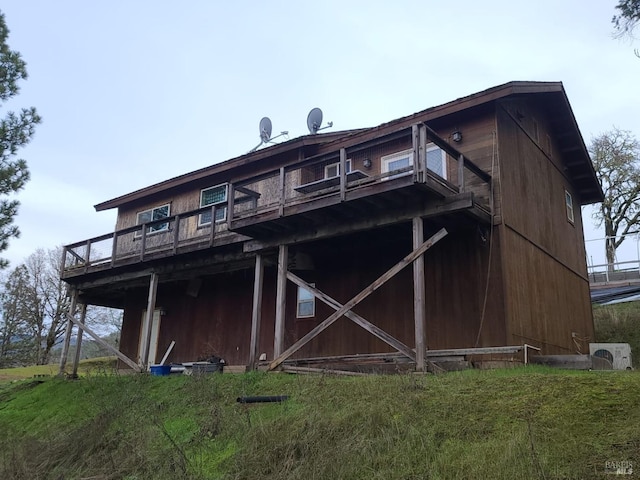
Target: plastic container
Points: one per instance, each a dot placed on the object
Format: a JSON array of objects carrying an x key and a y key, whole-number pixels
[{"x": 160, "y": 370}]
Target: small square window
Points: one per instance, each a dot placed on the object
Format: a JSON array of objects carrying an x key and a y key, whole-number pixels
[
  {"x": 333, "y": 170},
  {"x": 568, "y": 200},
  {"x": 306, "y": 303}
]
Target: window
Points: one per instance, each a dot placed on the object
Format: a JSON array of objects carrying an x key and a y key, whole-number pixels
[
  {"x": 213, "y": 196},
  {"x": 397, "y": 161},
  {"x": 333, "y": 170},
  {"x": 306, "y": 303},
  {"x": 157, "y": 213},
  {"x": 437, "y": 160},
  {"x": 568, "y": 200}
]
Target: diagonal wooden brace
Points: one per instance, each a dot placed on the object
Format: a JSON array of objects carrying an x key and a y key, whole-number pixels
[
  {"x": 358, "y": 298},
  {"x": 368, "y": 326}
]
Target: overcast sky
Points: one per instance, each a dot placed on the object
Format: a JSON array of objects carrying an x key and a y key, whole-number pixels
[{"x": 135, "y": 92}]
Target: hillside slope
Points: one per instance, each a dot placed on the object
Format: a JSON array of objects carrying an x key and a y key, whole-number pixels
[{"x": 503, "y": 424}]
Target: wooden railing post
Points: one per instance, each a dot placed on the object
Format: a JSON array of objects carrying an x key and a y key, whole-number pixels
[
  {"x": 417, "y": 164},
  {"x": 461, "y": 173},
  {"x": 143, "y": 241},
  {"x": 63, "y": 263},
  {"x": 87, "y": 259},
  {"x": 343, "y": 174},
  {"x": 230, "y": 201},
  {"x": 114, "y": 249},
  {"x": 212, "y": 233},
  {"x": 419, "y": 302},
  {"x": 176, "y": 233},
  {"x": 282, "y": 192}
]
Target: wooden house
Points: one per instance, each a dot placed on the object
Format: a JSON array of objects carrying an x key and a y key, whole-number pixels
[{"x": 458, "y": 227}]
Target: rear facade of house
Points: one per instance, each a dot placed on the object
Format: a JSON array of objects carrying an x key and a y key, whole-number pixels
[{"x": 231, "y": 247}]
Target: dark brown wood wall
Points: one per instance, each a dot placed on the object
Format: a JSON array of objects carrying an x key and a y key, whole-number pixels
[
  {"x": 546, "y": 287},
  {"x": 218, "y": 320}
]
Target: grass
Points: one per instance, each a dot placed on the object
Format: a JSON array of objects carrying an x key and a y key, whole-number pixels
[
  {"x": 619, "y": 323},
  {"x": 502, "y": 424},
  {"x": 85, "y": 367}
]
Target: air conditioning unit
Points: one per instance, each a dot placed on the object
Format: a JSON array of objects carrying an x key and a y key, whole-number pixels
[{"x": 618, "y": 354}]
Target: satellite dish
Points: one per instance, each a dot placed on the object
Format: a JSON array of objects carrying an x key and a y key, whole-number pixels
[
  {"x": 314, "y": 120},
  {"x": 265, "y": 129}
]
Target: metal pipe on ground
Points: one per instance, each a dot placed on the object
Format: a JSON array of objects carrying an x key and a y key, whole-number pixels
[{"x": 263, "y": 399}]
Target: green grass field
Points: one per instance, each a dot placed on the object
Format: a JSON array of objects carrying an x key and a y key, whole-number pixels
[{"x": 501, "y": 424}]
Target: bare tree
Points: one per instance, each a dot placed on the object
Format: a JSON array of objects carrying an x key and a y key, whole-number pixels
[
  {"x": 626, "y": 19},
  {"x": 616, "y": 159}
]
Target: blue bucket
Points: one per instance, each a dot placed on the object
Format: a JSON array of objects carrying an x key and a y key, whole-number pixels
[{"x": 160, "y": 370}]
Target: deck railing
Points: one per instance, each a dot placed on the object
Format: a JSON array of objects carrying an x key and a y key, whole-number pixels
[{"x": 415, "y": 154}]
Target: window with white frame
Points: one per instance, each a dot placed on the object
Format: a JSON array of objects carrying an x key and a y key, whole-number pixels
[
  {"x": 568, "y": 201},
  {"x": 397, "y": 161},
  {"x": 306, "y": 303},
  {"x": 333, "y": 170},
  {"x": 436, "y": 161},
  {"x": 157, "y": 213},
  {"x": 213, "y": 196}
]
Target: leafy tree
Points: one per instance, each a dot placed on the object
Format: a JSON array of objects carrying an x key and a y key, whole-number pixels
[
  {"x": 616, "y": 159},
  {"x": 627, "y": 17},
  {"x": 16, "y": 129}
]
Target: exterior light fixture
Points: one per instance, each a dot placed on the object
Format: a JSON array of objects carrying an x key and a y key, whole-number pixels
[
  {"x": 456, "y": 136},
  {"x": 367, "y": 163}
]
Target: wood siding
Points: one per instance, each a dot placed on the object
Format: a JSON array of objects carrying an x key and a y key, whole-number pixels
[{"x": 546, "y": 285}]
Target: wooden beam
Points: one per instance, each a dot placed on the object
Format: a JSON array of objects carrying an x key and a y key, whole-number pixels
[
  {"x": 68, "y": 330},
  {"x": 358, "y": 298},
  {"x": 148, "y": 320},
  {"x": 419, "y": 301},
  {"x": 281, "y": 298},
  {"x": 104, "y": 344},
  {"x": 447, "y": 205},
  {"x": 461, "y": 173},
  {"x": 256, "y": 315},
  {"x": 76, "y": 358},
  {"x": 282, "y": 192},
  {"x": 357, "y": 319}
]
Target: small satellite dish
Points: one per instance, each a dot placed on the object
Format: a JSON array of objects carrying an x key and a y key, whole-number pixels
[
  {"x": 314, "y": 120},
  {"x": 265, "y": 129}
]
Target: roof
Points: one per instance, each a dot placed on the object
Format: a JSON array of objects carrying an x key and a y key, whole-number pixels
[
  {"x": 613, "y": 295},
  {"x": 550, "y": 96}
]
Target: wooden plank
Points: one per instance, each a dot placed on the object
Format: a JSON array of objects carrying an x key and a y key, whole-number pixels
[
  {"x": 419, "y": 301},
  {"x": 88, "y": 254},
  {"x": 461, "y": 173},
  {"x": 143, "y": 241},
  {"x": 357, "y": 319},
  {"x": 146, "y": 333},
  {"x": 291, "y": 369},
  {"x": 176, "y": 234},
  {"x": 104, "y": 344},
  {"x": 418, "y": 172},
  {"x": 76, "y": 358},
  {"x": 68, "y": 329},
  {"x": 212, "y": 232},
  {"x": 63, "y": 262},
  {"x": 168, "y": 352},
  {"x": 256, "y": 314},
  {"x": 358, "y": 298},
  {"x": 281, "y": 297},
  {"x": 231, "y": 193},
  {"x": 422, "y": 149},
  {"x": 114, "y": 249}
]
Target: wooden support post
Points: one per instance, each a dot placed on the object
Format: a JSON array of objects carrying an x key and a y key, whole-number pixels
[
  {"x": 281, "y": 298},
  {"x": 282, "y": 192},
  {"x": 461, "y": 173},
  {"x": 343, "y": 174},
  {"x": 358, "y": 298},
  {"x": 146, "y": 333},
  {"x": 231, "y": 197},
  {"x": 357, "y": 319},
  {"x": 256, "y": 315},
  {"x": 422, "y": 154},
  {"x": 104, "y": 344},
  {"x": 68, "y": 329},
  {"x": 176, "y": 233},
  {"x": 419, "y": 300},
  {"x": 76, "y": 358}
]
